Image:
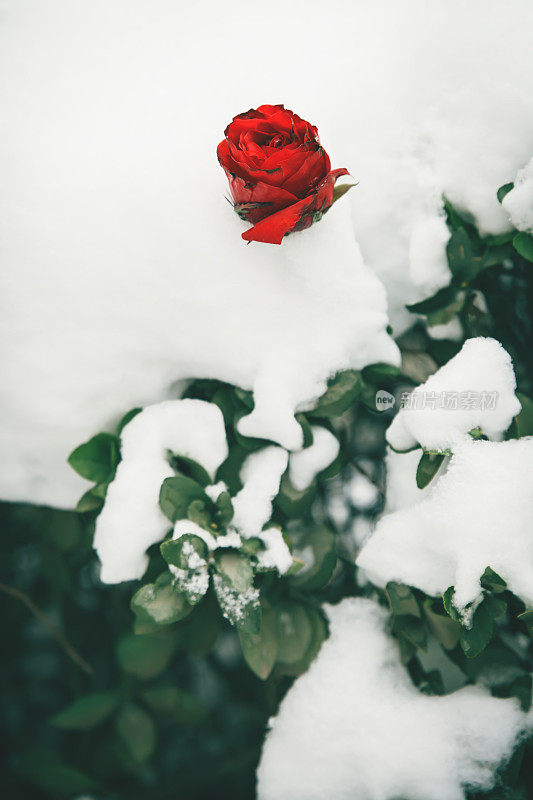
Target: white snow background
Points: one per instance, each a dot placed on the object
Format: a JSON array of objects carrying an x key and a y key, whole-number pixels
[{"x": 123, "y": 270}]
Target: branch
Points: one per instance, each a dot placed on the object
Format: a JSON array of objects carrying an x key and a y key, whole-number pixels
[{"x": 50, "y": 627}]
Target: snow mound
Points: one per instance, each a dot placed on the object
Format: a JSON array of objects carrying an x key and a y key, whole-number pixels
[
  {"x": 305, "y": 465},
  {"x": 354, "y": 726},
  {"x": 131, "y": 519},
  {"x": 478, "y": 514},
  {"x": 261, "y": 475},
  {"x": 475, "y": 389}
]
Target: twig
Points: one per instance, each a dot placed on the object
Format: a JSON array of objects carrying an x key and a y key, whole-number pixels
[{"x": 50, "y": 627}]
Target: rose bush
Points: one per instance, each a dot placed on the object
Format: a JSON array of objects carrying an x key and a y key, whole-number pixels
[{"x": 279, "y": 174}]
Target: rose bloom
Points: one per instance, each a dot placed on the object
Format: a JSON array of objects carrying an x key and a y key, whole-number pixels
[{"x": 279, "y": 175}]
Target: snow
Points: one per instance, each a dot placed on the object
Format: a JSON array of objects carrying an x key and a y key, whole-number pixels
[
  {"x": 124, "y": 268},
  {"x": 519, "y": 201},
  {"x": 276, "y": 554},
  {"x": 401, "y": 488},
  {"x": 261, "y": 475},
  {"x": 478, "y": 514},
  {"x": 131, "y": 519},
  {"x": 362, "y": 493},
  {"x": 474, "y": 389},
  {"x": 305, "y": 465},
  {"x": 184, "y": 527},
  {"x": 354, "y": 726}
]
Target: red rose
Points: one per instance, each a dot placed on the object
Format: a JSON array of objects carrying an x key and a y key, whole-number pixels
[{"x": 279, "y": 175}]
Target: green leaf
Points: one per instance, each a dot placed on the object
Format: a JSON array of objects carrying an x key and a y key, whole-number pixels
[
  {"x": 252, "y": 546},
  {"x": 137, "y": 732},
  {"x": 260, "y": 650},
  {"x": 341, "y": 190},
  {"x": 491, "y": 580},
  {"x": 504, "y": 190},
  {"x": 523, "y": 244},
  {"x": 412, "y": 629},
  {"x": 145, "y": 655},
  {"x": 407, "y": 649},
  {"x": 86, "y": 712},
  {"x": 445, "y": 630},
  {"x": 190, "y": 469},
  {"x": 172, "y": 550},
  {"x": 321, "y": 542},
  {"x": 306, "y": 430},
  {"x": 292, "y": 502},
  {"x": 92, "y": 500},
  {"x": 177, "y": 494},
  {"x": 442, "y": 299},
  {"x": 402, "y": 600},
  {"x": 199, "y": 632},
  {"x": 224, "y": 513},
  {"x": 377, "y": 373},
  {"x": 341, "y": 393},
  {"x": 202, "y": 514},
  {"x": 54, "y": 777},
  {"x": 474, "y": 639},
  {"x": 524, "y": 420},
  {"x": 447, "y": 600},
  {"x": 463, "y": 262},
  {"x": 169, "y": 701},
  {"x": 458, "y": 219},
  {"x": 97, "y": 459},
  {"x": 235, "y": 568},
  {"x": 159, "y": 603},
  {"x": 241, "y": 609},
  {"x": 301, "y": 631},
  {"x": 428, "y": 466}
]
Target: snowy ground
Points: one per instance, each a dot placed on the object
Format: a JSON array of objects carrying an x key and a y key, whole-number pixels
[{"x": 123, "y": 268}]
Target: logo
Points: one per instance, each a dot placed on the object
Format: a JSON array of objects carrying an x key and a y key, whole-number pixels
[{"x": 384, "y": 400}]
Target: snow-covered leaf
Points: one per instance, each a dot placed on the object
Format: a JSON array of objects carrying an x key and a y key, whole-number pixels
[
  {"x": 342, "y": 392},
  {"x": 159, "y": 603},
  {"x": 242, "y": 609}
]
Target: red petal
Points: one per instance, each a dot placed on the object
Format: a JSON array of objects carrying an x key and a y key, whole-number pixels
[
  {"x": 297, "y": 216},
  {"x": 273, "y": 228},
  {"x": 259, "y": 192}
]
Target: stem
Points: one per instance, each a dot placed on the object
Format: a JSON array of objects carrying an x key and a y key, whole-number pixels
[{"x": 50, "y": 627}]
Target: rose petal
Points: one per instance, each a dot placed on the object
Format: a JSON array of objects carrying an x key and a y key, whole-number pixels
[{"x": 272, "y": 229}]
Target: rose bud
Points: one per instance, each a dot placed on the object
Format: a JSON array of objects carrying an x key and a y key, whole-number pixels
[{"x": 280, "y": 176}]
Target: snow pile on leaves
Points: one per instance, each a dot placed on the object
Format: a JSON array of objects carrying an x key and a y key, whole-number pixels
[
  {"x": 124, "y": 268},
  {"x": 475, "y": 389},
  {"x": 305, "y": 465},
  {"x": 261, "y": 475},
  {"x": 131, "y": 519},
  {"x": 355, "y": 726},
  {"x": 478, "y": 514}
]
